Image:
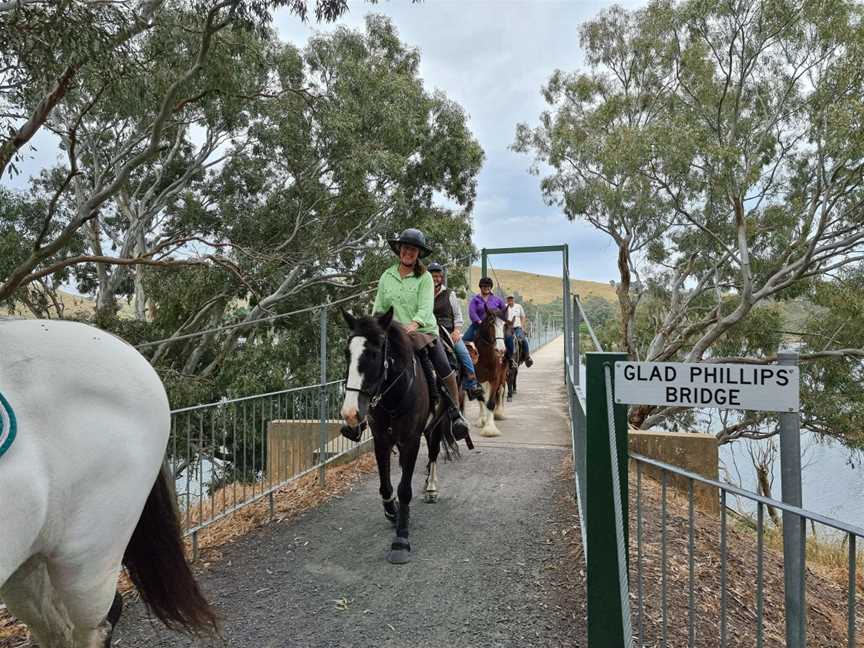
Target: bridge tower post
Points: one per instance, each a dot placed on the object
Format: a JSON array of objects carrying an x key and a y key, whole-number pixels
[{"x": 606, "y": 614}]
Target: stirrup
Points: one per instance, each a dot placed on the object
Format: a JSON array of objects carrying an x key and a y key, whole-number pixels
[{"x": 459, "y": 426}]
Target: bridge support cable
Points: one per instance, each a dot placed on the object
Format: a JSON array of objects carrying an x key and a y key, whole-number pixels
[{"x": 620, "y": 521}]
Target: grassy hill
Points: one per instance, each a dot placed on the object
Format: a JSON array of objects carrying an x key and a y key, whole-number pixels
[
  {"x": 77, "y": 306},
  {"x": 543, "y": 289}
]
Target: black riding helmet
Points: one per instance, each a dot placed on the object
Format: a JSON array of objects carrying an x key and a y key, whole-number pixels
[
  {"x": 435, "y": 267},
  {"x": 485, "y": 281},
  {"x": 413, "y": 237}
]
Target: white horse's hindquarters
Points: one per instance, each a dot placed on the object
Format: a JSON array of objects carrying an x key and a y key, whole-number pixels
[{"x": 94, "y": 421}]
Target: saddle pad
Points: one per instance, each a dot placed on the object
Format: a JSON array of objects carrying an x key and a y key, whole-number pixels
[{"x": 8, "y": 425}]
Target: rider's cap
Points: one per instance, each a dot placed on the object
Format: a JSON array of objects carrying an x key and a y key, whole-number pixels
[
  {"x": 435, "y": 267},
  {"x": 413, "y": 237}
]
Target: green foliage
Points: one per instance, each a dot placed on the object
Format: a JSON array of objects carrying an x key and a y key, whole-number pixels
[{"x": 719, "y": 146}]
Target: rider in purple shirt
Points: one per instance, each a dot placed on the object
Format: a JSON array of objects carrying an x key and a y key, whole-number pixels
[{"x": 486, "y": 300}]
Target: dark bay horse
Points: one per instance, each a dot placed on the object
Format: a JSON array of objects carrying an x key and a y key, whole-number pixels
[
  {"x": 515, "y": 361},
  {"x": 387, "y": 387},
  {"x": 491, "y": 368}
]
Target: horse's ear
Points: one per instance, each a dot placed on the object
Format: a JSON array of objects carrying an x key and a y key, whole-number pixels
[
  {"x": 350, "y": 320},
  {"x": 386, "y": 319}
]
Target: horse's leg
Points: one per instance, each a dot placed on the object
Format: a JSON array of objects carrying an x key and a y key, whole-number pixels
[
  {"x": 87, "y": 585},
  {"x": 382, "y": 458},
  {"x": 498, "y": 413},
  {"x": 30, "y": 596},
  {"x": 489, "y": 429},
  {"x": 430, "y": 494},
  {"x": 400, "y": 551}
]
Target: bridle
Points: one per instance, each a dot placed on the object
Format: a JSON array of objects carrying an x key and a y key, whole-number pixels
[
  {"x": 496, "y": 337},
  {"x": 376, "y": 394}
]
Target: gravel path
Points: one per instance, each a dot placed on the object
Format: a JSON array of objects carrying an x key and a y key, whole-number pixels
[{"x": 492, "y": 564}]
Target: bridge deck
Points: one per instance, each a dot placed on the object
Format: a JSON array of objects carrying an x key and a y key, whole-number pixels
[{"x": 494, "y": 562}]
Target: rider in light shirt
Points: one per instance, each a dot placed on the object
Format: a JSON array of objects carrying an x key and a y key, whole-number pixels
[
  {"x": 409, "y": 290},
  {"x": 516, "y": 314}
]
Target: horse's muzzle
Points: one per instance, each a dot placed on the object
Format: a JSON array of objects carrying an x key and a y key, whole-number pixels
[{"x": 351, "y": 416}]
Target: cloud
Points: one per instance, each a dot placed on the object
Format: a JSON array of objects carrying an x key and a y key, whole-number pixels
[{"x": 493, "y": 58}]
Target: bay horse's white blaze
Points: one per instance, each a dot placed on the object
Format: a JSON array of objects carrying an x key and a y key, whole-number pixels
[
  {"x": 351, "y": 405},
  {"x": 499, "y": 335},
  {"x": 93, "y": 423}
]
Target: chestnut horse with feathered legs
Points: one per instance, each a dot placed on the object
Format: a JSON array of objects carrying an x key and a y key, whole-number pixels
[{"x": 491, "y": 367}]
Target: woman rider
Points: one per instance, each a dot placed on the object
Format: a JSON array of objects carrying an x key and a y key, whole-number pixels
[
  {"x": 407, "y": 287},
  {"x": 449, "y": 317}
]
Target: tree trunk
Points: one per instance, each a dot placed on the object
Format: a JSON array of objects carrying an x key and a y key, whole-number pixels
[
  {"x": 625, "y": 303},
  {"x": 765, "y": 488},
  {"x": 140, "y": 296}
]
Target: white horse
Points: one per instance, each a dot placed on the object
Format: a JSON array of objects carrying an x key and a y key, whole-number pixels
[{"x": 81, "y": 492}]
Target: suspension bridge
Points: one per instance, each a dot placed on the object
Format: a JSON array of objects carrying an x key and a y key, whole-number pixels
[
  {"x": 556, "y": 533},
  {"x": 563, "y": 531}
]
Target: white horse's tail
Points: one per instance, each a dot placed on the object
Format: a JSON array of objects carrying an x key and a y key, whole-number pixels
[{"x": 156, "y": 563}]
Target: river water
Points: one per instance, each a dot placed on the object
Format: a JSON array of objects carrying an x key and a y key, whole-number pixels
[{"x": 832, "y": 477}]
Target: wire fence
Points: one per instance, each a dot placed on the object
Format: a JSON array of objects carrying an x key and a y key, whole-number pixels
[{"x": 232, "y": 453}]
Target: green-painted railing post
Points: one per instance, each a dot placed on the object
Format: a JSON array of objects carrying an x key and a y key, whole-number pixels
[
  {"x": 605, "y": 627},
  {"x": 483, "y": 263}
]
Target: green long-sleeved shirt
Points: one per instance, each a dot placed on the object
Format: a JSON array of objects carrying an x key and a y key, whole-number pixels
[{"x": 412, "y": 298}]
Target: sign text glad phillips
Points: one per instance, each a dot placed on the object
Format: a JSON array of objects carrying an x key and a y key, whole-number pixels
[{"x": 770, "y": 388}]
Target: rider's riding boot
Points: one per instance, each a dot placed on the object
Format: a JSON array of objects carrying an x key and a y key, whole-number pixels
[
  {"x": 528, "y": 361},
  {"x": 459, "y": 424},
  {"x": 473, "y": 388}
]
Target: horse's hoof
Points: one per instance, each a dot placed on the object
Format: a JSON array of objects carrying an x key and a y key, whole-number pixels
[
  {"x": 400, "y": 551},
  {"x": 499, "y": 417},
  {"x": 490, "y": 432},
  {"x": 430, "y": 497},
  {"x": 510, "y": 399}
]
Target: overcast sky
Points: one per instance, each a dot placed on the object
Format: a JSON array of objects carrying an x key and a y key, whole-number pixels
[{"x": 492, "y": 57}]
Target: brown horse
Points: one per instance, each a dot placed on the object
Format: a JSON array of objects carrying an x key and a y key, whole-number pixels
[{"x": 491, "y": 368}]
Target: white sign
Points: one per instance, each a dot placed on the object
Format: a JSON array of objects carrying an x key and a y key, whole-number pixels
[{"x": 769, "y": 388}]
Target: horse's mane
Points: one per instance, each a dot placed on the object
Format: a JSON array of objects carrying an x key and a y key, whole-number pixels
[{"x": 400, "y": 344}]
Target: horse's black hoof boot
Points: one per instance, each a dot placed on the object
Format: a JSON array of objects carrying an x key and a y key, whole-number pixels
[
  {"x": 460, "y": 428},
  {"x": 400, "y": 551}
]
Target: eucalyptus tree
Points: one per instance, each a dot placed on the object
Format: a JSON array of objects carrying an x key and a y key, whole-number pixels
[
  {"x": 347, "y": 148},
  {"x": 754, "y": 156},
  {"x": 66, "y": 64},
  {"x": 595, "y": 141}
]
